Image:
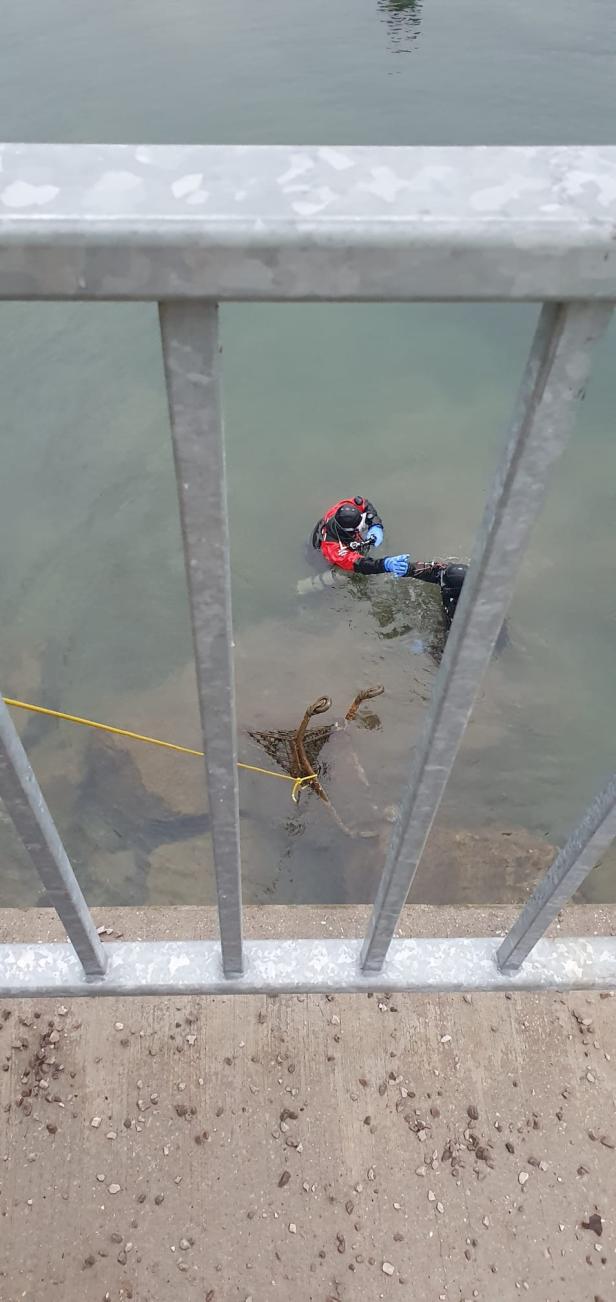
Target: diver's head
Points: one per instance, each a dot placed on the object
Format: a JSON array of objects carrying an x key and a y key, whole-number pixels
[
  {"x": 453, "y": 577},
  {"x": 348, "y": 520}
]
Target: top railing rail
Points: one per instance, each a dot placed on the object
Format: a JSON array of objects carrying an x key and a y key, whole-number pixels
[
  {"x": 250, "y": 222},
  {"x": 210, "y": 224}
]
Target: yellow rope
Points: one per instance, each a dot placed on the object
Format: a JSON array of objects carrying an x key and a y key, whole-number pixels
[{"x": 298, "y": 783}]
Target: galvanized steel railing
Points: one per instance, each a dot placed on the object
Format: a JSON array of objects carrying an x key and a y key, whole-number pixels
[{"x": 190, "y": 227}]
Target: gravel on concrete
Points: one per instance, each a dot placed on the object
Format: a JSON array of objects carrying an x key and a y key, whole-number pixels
[{"x": 310, "y": 1148}]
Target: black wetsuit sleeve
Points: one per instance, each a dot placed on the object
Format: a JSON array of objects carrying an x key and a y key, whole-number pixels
[
  {"x": 427, "y": 571},
  {"x": 369, "y": 565}
]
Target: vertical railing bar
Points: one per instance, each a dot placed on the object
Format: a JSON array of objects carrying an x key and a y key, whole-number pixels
[
  {"x": 25, "y": 804},
  {"x": 592, "y": 836},
  {"x": 192, "y": 363},
  {"x": 553, "y": 383}
]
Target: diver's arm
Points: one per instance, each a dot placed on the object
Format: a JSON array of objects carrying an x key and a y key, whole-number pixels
[
  {"x": 375, "y": 532},
  {"x": 369, "y": 565},
  {"x": 397, "y": 565},
  {"x": 427, "y": 571},
  {"x": 372, "y": 515}
]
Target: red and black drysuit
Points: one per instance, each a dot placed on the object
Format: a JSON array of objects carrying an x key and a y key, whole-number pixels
[{"x": 349, "y": 553}]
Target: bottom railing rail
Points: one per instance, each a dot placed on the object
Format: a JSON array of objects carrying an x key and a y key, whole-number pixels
[{"x": 294, "y": 966}]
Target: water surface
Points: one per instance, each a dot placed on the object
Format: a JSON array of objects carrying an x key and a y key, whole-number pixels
[{"x": 407, "y": 404}]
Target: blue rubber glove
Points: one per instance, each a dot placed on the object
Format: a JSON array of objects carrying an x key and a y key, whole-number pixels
[
  {"x": 375, "y": 535},
  {"x": 398, "y": 565}
]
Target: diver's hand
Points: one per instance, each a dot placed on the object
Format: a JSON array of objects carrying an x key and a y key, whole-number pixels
[
  {"x": 375, "y": 535},
  {"x": 397, "y": 565}
]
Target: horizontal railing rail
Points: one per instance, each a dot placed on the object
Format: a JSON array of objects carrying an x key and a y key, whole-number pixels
[
  {"x": 191, "y": 226},
  {"x": 250, "y": 222}
]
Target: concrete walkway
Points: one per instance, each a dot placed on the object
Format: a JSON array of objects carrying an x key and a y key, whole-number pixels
[{"x": 317, "y": 1150}]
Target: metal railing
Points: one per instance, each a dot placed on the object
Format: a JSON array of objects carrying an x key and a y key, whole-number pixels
[{"x": 190, "y": 227}]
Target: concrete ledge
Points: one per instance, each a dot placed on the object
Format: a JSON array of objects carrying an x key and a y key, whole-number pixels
[
  {"x": 293, "y": 1147},
  {"x": 302, "y": 921}
]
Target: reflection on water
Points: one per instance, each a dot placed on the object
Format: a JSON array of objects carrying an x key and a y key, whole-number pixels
[
  {"x": 412, "y": 611},
  {"x": 403, "y": 19}
]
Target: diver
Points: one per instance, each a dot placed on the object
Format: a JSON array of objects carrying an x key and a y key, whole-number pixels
[
  {"x": 348, "y": 531},
  {"x": 449, "y": 575}
]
